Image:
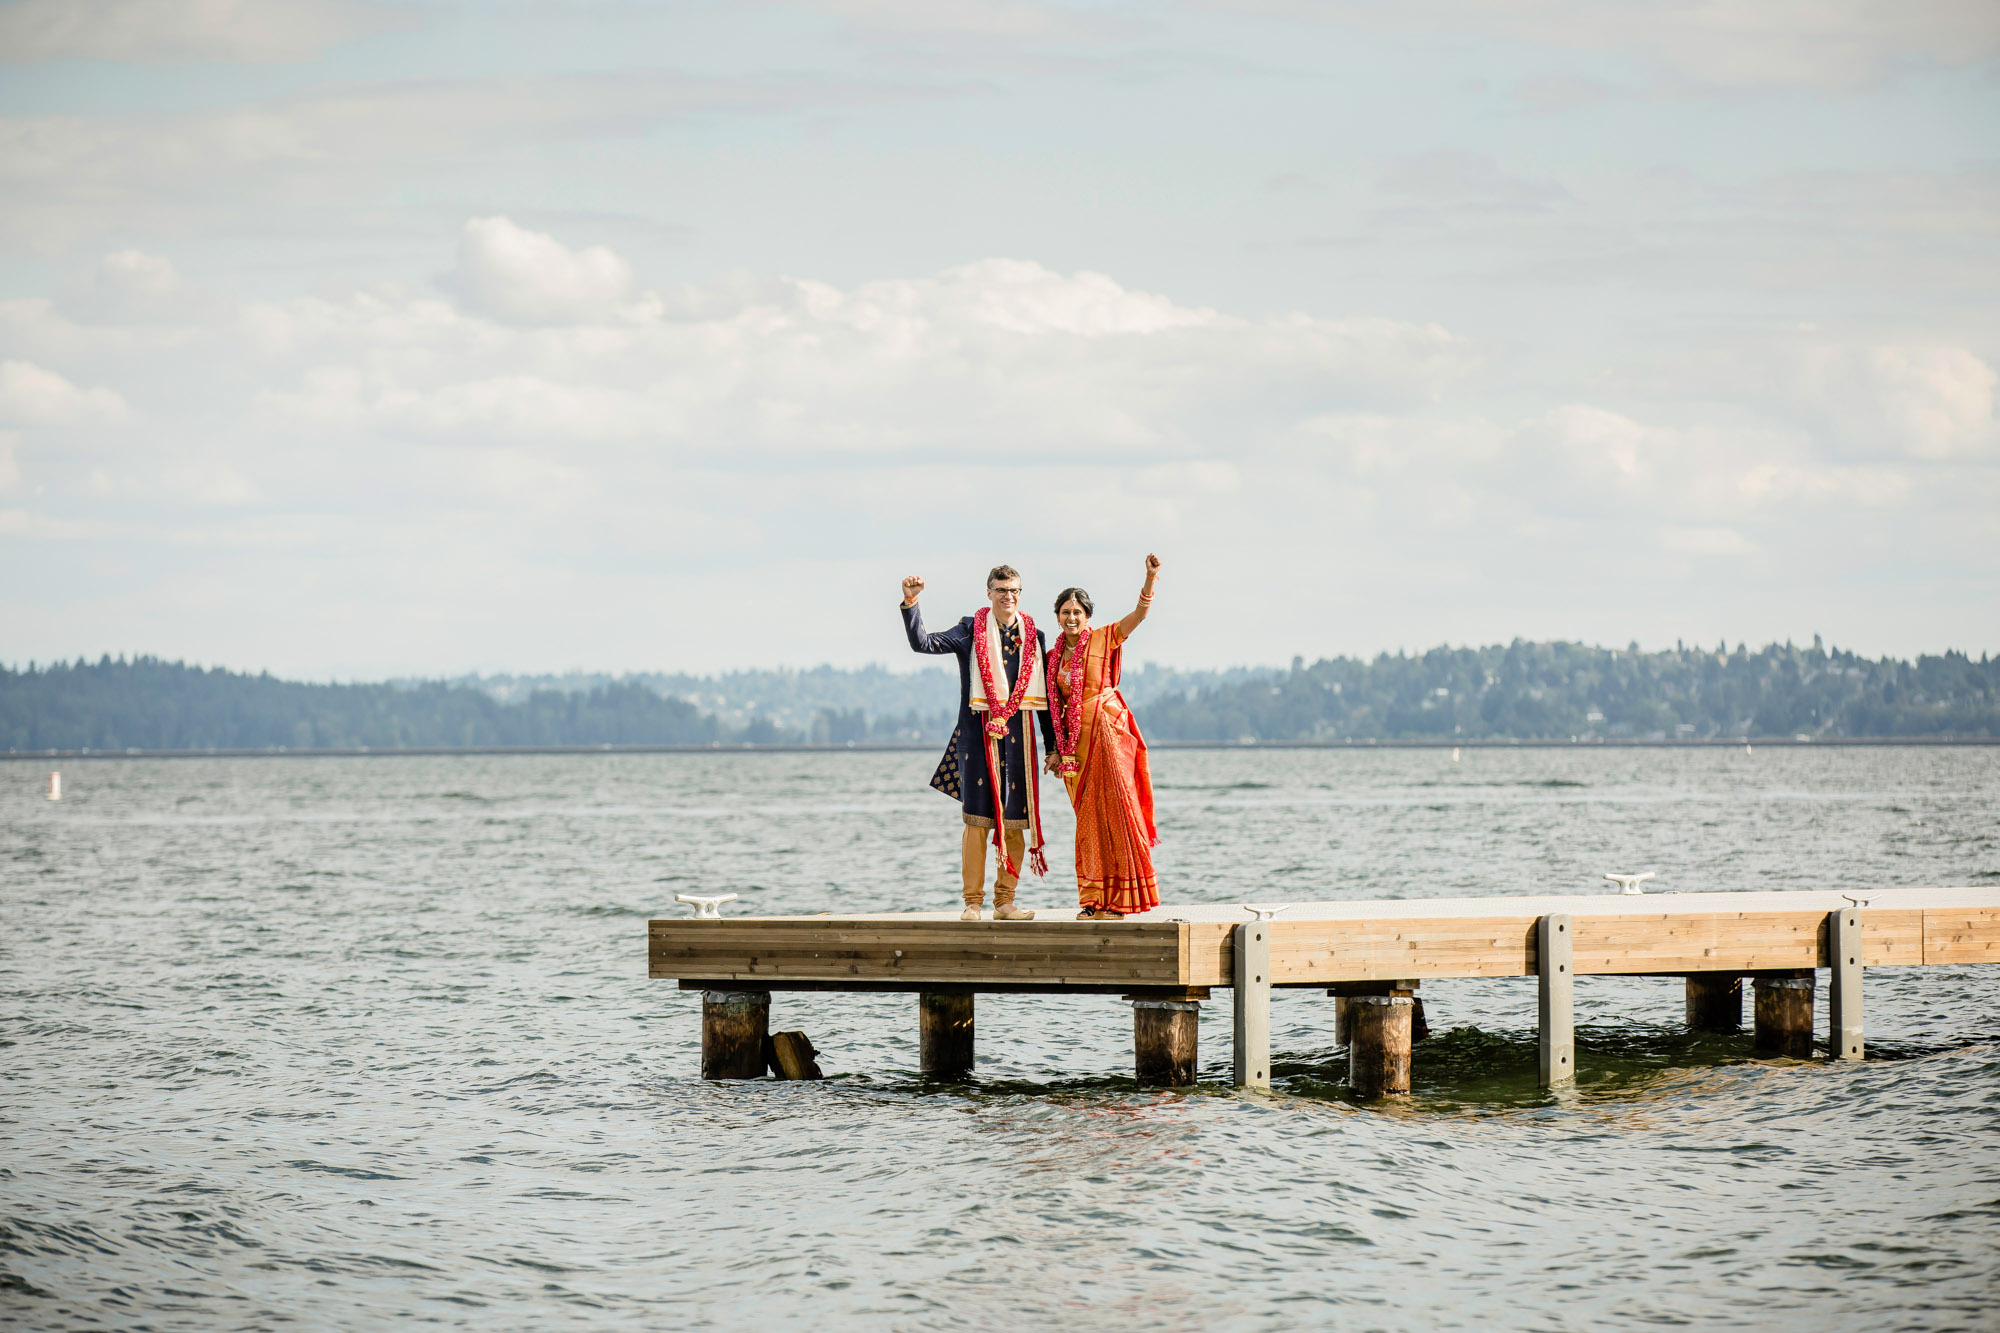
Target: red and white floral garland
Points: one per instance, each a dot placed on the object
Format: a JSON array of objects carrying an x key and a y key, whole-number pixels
[
  {"x": 997, "y": 718},
  {"x": 1068, "y": 673}
]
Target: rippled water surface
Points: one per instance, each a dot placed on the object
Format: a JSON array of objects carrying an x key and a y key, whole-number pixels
[{"x": 346, "y": 1042}]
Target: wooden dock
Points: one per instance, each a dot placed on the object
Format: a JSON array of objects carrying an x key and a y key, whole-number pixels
[{"x": 1371, "y": 957}]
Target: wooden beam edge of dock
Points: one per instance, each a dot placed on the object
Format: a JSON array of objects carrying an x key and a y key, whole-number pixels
[{"x": 1078, "y": 956}]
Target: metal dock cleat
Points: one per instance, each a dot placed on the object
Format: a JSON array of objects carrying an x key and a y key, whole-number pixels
[{"x": 1629, "y": 884}]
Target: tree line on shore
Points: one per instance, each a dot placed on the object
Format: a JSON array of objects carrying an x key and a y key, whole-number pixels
[
  {"x": 1520, "y": 691},
  {"x": 1555, "y": 691}
]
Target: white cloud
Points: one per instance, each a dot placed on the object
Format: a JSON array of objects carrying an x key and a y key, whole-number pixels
[
  {"x": 137, "y": 290},
  {"x": 32, "y": 396},
  {"x": 705, "y": 437},
  {"x": 524, "y": 277},
  {"x": 995, "y": 355},
  {"x": 1022, "y": 297},
  {"x": 138, "y": 276},
  {"x": 163, "y": 31},
  {"x": 1603, "y": 447},
  {"x": 1932, "y": 402}
]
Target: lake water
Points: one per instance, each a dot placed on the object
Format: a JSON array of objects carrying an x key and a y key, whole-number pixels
[{"x": 352, "y": 1042}]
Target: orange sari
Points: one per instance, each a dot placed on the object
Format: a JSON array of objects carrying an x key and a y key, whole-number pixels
[{"x": 1112, "y": 789}]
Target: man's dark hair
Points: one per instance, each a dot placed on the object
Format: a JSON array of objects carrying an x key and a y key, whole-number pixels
[
  {"x": 1080, "y": 597},
  {"x": 999, "y": 572}
]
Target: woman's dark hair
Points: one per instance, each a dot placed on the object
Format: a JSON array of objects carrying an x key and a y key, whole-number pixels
[{"x": 1080, "y": 597}]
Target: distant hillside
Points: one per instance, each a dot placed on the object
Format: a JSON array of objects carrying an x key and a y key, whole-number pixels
[
  {"x": 1522, "y": 691},
  {"x": 148, "y": 704},
  {"x": 1536, "y": 691}
]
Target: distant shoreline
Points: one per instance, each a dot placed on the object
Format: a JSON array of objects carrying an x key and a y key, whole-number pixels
[{"x": 1770, "y": 742}]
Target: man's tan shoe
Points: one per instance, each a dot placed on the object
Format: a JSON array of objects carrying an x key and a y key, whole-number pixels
[
  {"x": 1012, "y": 913},
  {"x": 971, "y": 914}
]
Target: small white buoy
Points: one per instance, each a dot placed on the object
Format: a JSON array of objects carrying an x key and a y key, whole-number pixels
[
  {"x": 705, "y": 907},
  {"x": 1454, "y": 754},
  {"x": 1630, "y": 883},
  {"x": 1746, "y": 749},
  {"x": 55, "y": 786}
]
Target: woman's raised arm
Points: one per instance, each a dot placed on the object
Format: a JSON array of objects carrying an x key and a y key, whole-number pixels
[{"x": 1131, "y": 622}]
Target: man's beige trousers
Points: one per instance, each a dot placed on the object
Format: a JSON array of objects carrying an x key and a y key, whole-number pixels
[{"x": 974, "y": 860}]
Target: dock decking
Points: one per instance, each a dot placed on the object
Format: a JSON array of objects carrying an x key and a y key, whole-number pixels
[{"x": 1372, "y": 954}]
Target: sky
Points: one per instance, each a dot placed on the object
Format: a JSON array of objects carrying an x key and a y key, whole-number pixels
[{"x": 350, "y": 340}]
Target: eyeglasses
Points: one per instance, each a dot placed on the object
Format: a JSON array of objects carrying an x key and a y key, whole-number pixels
[{"x": 1005, "y": 592}]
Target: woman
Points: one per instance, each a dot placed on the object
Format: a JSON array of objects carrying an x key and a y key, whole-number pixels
[{"x": 1102, "y": 758}]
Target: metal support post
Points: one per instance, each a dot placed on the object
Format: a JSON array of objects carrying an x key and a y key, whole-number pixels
[
  {"x": 1253, "y": 1005},
  {"x": 1554, "y": 940},
  {"x": 1843, "y": 999}
]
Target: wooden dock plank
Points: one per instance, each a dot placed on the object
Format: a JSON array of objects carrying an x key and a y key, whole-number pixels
[
  {"x": 749, "y": 949},
  {"x": 1891, "y": 937},
  {"x": 1329, "y": 943},
  {"x": 1711, "y": 942},
  {"x": 1311, "y": 952},
  {"x": 1954, "y": 936}
]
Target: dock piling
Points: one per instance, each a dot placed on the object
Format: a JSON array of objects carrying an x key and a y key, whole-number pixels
[
  {"x": 1714, "y": 1002},
  {"x": 1843, "y": 1008},
  {"x": 1252, "y": 1045},
  {"x": 1783, "y": 1007},
  {"x": 1165, "y": 1035},
  {"x": 1378, "y": 1049},
  {"x": 944, "y": 1032},
  {"x": 1343, "y": 1027},
  {"x": 1555, "y": 949},
  {"x": 734, "y": 1026}
]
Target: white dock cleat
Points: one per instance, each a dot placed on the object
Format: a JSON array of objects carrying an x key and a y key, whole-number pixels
[
  {"x": 1629, "y": 884},
  {"x": 1264, "y": 911},
  {"x": 705, "y": 907}
]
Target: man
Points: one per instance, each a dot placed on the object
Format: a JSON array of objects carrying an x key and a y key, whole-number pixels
[{"x": 993, "y": 696}]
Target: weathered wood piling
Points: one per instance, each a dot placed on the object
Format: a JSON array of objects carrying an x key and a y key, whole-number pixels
[
  {"x": 1378, "y": 1049},
  {"x": 1368, "y": 956},
  {"x": 1715, "y": 1002},
  {"x": 1166, "y": 1035},
  {"x": 734, "y": 1025},
  {"x": 1783, "y": 1009},
  {"x": 944, "y": 1033}
]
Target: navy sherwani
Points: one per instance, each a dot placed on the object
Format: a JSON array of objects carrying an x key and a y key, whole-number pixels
[{"x": 962, "y": 771}]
